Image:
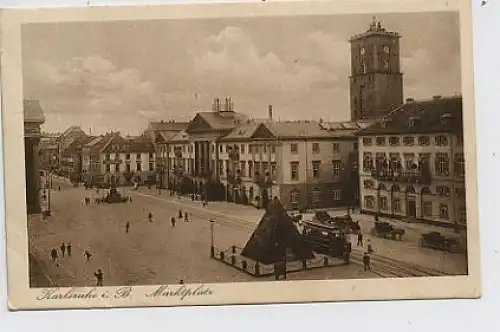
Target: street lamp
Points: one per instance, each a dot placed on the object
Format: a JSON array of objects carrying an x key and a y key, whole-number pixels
[{"x": 212, "y": 248}]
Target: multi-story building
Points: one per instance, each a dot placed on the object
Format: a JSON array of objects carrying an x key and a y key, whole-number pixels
[
  {"x": 49, "y": 154},
  {"x": 33, "y": 119},
  {"x": 160, "y": 133},
  {"x": 65, "y": 141},
  {"x": 181, "y": 163},
  {"x": 305, "y": 164},
  {"x": 413, "y": 162},
  {"x": 116, "y": 160},
  {"x": 204, "y": 132}
]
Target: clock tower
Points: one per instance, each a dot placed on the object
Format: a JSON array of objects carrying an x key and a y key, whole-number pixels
[{"x": 376, "y": 80}]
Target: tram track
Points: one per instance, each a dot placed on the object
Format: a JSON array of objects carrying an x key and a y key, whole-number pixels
[{"x": 385, "y": 267}]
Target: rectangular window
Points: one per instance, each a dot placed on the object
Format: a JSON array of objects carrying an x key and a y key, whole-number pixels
[
  {"x": 336, "y": 148},
  {"x": 367, "y": 141},
  {"x": 368, "y": 184},
  {"x": 264, "y": 148},
  {"x": 315, "y": 168},
  {"x": 369, "y": 202},
  {"x": 442, "y": 164},
  {"x": 243, "y": 169},
  {"x": 108, "y": 156},
  {"x": 315, "y": 147},
  {"x": 408, "y": 140},
  {"x": 250, "y": 168},
  {"x": 424, "y": 140},
  {"x": 443, "y": 211},
  {"x": 441, "y": 140},
  {"x": 220, "y": 148},
  {"x": 383, "y": 203},
  {"x": 460, "y": 192},
  {"x": 294, "y": 171},
  {"x": 294, "y": 196},
  {"x": 459, "y": 165},
  {"x": 274, "y": 173},
  {"x": 273, "y": 149},
  {"x": 336, "y": 164},
  {"x": 462, "y": 215},
  {"x": 127, "y": 156},
  {"x": 393, "y": 140},
  {"x": 242, "y": 149},
  {"x": 396, "y": 205},
  {"x": 139, "y": 167},
  {"x": 316, "y": 195},
  {"x": 221, "y": 167},
  {"x": 443, "y": 191},
  {"x": 151, "y": 166},
  {"x": 151, "y": 155},
  {"x": 367, "y": 161},
  {"x": 427, "y": 206},
  {"x": 336, "y": 195},
  {"x": 409, "y": 164},
  {"x": 108, "y": 168},
  {"x": 293, "y": 148},
  {"x": 380, "y": 141},
  {"x": 127, "y": 167}
]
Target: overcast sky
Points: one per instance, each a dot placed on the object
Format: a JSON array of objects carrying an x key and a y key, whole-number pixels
[{"x": 121, "y": 75}]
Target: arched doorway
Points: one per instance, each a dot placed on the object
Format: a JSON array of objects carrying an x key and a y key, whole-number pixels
[{"x": 411, "y": 202}]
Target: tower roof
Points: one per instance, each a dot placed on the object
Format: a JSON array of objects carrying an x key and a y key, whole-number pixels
[{"x": 375, "y": 29}]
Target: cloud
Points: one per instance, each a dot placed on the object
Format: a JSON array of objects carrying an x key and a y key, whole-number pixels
[{"x": 91, "y": 90}]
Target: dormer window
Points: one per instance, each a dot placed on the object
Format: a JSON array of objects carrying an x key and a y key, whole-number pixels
[
  {"x": 413, "y": 121},
  {"x": 446, "y": 118}
]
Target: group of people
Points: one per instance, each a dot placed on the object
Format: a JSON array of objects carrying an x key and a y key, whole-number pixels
[
  {"x": 66, "y": 251},
  {"x": 173, "y": 220}
]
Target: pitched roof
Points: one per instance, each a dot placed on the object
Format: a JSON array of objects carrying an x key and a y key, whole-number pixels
[
  {"x": 244, "y": 131},
  {"x": 297, "y": 129},
  {"x": 219, "y": 122},
  {"x": 33, "y": 111},
  {"x": 180, "y": 137},
  {"x": 168, "y": 126},
  {"x": 115, "y": 143},
  {"x": 437, "y": 115}
]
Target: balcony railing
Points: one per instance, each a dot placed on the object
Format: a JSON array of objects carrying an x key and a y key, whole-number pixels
[
  {"x": 411, "y": 176},
  {"x": 263, "y": 181}
]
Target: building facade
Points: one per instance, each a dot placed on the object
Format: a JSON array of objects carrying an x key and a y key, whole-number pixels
[
  {"x": 114, "y": 160},
  {"x": 376, "y": 81},
  {"x": 413, "y": 162},
  {"x": 33, "y": 119},
  {"x": 304, "y": 164}
]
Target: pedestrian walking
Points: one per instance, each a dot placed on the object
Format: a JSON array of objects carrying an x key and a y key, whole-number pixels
[
  {"x": 172, "y": 220},
  {"x": 181, "y": 282},
  {"x": 150, "y": 217},
  {"x": 99, "y": 276},
  {"x": 360, "y": 239},
  {"x": 186, "y": 218},
  {"x": 127, "y": 226},
  {"x": 59, "y": 188},
  {"x": 366, "y": 262},
  {"x": 63, "y": 248},
  {"x": 54, "y": 255},
  {"x": 68, "y": 248},
  {"x": 149, "y": 186},
  {"x": 180, "y": 214},
  {"x": 87, "y": 255},
  {"x": 369, "y": 247}
]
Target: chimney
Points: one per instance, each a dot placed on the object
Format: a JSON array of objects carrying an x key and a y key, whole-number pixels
[
  {"x": 436, "y": 97},
  {"x": 410, "y": 100},
  {"x": 270, "y": 112}
]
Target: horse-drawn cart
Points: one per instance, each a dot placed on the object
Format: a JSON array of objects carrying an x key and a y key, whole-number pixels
[{"x": 386, "y": 230}]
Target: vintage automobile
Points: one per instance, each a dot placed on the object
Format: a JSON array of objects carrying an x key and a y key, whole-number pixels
[
  {"x": 436, "y": 240},
  {"x": 114, "y": 197},
  {"x": 387, "y": 231},
  {"x": 327, "y": 239},
  {"x": 343, "y": 222}
]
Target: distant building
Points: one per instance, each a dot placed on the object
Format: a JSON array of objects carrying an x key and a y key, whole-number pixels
[
  {"x": 49, "y": 154},
  {"x": 376, "y": 81},
  {"x": 33, "y": 118},
  {"x": 113, "y": 159},
  {"x": 64, "y": 141},
  {"x": 413, "y": 162},
  {"x": 160, "y": 133}
]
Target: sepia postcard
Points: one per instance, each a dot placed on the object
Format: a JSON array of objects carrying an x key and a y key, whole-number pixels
[{"x": 239, "y": 153}]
